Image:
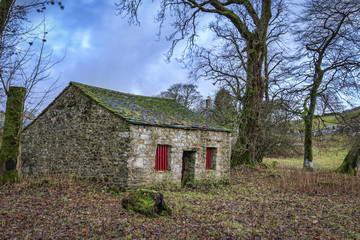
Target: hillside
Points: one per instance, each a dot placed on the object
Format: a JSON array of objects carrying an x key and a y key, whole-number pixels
[
  {"x": 350, "y": 116},
  {"x": 347, "y": 116}
]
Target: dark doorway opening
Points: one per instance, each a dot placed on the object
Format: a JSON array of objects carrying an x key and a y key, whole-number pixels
[{"x": 188, "y": 168}]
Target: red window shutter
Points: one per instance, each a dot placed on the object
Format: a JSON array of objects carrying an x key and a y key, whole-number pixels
[
  {"x": 157, "y": 159},
  {"x": 161, "y": 158},
  {"x": 208, "y": 158},
  {"x": 166, "y": 157}
]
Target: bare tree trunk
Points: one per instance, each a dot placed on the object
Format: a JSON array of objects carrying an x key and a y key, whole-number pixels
[
  {"x": 308, "y": 151},
  {"x": 10, "y": 141},
  {"x": 249, "y": 126},
  {"x": 266, "y": 74},
  {"x": 308, "y": 116},
  {"x": 351, "y": 162}
]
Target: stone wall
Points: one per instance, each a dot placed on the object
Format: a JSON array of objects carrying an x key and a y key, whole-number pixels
[
  {"x": 351, "y": 129},
  {"x": 144, "y": 141},
  {"x": 75, "y": 136}
]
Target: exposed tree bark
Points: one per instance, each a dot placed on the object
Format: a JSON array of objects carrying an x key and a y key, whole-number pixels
[
  {"x": 255, "y": 88},
  {"x": 308, "y": 117},
  {"x": 308, "y": 151},
  {"x": 10, "y": 141},
  {"x": 266, "y": 76},
  {"x": 351, "y": 162}
]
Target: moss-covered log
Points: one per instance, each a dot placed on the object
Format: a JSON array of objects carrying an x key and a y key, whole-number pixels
[
  {"x": 147, "y": 202},
  {"x": 351, "y": 162},
  {"x": 10, "y": 141}
]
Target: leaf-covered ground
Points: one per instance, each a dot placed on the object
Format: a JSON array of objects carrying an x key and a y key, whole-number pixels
[{"x": 258, "y": 204}]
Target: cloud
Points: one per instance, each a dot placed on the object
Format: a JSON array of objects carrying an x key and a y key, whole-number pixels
[
  {"x": 81, "y": 40},
  {"x": 102, "y": 49}
]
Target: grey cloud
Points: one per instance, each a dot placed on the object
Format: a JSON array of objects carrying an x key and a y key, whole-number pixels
[{"x": 118, "y": 56}]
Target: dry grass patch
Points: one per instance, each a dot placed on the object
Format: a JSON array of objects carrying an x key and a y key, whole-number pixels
[{"x": 283, "y": 203}]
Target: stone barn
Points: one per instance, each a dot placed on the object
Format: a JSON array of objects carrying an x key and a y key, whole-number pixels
[{"x": 123, "y": 139}]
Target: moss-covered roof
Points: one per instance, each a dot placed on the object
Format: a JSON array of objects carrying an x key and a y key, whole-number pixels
[{"x": 147, "y": 110}]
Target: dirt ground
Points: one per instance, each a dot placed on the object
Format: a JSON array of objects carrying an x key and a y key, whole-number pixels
[{"x": 284, "y": 203}]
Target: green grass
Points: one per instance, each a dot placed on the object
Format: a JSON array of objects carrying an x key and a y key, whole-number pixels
[{"x": 324, "y": 158}]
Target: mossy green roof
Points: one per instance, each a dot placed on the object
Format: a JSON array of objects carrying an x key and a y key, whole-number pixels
[{"x": 147, "y": 110}]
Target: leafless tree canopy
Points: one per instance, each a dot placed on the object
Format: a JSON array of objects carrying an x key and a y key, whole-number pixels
[
  {"x": 328, "y": 39},
  {"x": 225, "y": 63},
  {"x": 24, "y": 58},
  {"x": 185, "y": 16},
  {"x": 185, "y": 94}
]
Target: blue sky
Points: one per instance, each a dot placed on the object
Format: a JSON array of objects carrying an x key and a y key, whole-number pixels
[{"x": 101, "y": 49}]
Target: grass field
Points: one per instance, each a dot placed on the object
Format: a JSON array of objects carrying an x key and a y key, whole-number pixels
[
  {"x": 281, "y": 203},
  {"x": 324, "y": 159}
]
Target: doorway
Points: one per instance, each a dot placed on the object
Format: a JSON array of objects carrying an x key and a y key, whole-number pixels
[{"x": 188, "y": 168}]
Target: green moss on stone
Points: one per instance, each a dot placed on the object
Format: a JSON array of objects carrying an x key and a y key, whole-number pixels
[{"x": 144, "y": 201}]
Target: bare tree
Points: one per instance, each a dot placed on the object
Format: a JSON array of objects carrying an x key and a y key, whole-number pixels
[
  {"x": 250, "y": 19},
  {"x": 185, "y": 94},
  {"x": 226, "y": 64},
  {"x": 277, "y": 135},
  {"x": 224, "y": 110},
  {"x": 24, "y": 63},
  {"x": 327, "y": 58}
]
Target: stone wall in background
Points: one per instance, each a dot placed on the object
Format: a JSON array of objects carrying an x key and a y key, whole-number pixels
[{"x": 351, "y": 129}]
